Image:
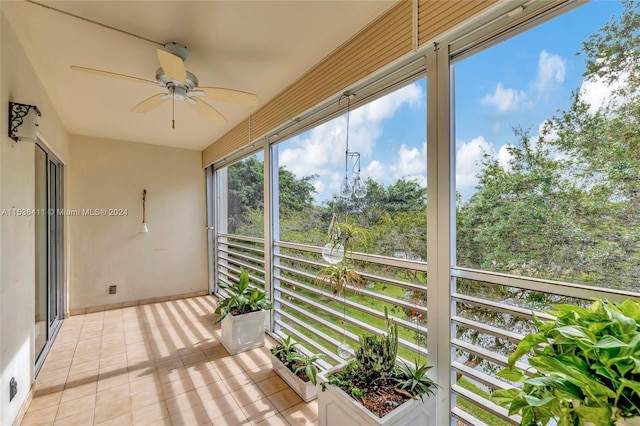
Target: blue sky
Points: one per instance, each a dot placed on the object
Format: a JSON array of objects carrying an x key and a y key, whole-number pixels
[{"x": 522, "y": 82}]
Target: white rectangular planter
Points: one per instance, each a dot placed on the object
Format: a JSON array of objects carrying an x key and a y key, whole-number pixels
[
  {"x": 243, "y": 332},
  {"x": 306, "y": 390},
  {"x": 335, "y": 407}
]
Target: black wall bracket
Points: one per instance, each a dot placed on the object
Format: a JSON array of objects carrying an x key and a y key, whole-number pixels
[{"x": 13, "y": 389}]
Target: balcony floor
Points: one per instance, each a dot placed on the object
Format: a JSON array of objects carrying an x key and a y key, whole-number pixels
[{"x": 159, "y": 364}]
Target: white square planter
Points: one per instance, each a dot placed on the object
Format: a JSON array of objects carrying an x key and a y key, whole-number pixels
[
  {"x": 335, "y": 407},
  {"x": 306, "y": 390},
  {"x": 243, "y": 332}
]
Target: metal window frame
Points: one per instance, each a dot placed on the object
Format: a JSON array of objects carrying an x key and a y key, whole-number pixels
[
  {"x": 503, "y": 21},
  {"x": 54, "y": 266}
]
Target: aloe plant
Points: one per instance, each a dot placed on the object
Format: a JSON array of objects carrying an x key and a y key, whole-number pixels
[
  {"x": 296, "y": 360},
  {"x": 587, "y": 367},
  {"x": 413, "y": 378}
]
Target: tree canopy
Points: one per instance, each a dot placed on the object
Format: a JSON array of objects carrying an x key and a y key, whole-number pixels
[
  {"x": 246, "y": 191},
  {"x": 565, "y": 206}
]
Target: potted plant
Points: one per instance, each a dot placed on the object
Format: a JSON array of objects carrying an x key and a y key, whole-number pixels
[
  {"x": 296, "y": 368},
  {"x": 587, "y": 367},
  {"x": 242, "y": 314},
  {"x": 373, "y": 390}
]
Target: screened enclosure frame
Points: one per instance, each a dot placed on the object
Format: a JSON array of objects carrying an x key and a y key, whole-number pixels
[{"x": 436, "y": 63}]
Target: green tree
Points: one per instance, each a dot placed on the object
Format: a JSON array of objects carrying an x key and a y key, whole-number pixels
[
  {"x": 246, "y": 192},
  {"x": 405, "y": 196},
  {"x": 295, "y": 194},
  {"x": 565, "y": 206}
]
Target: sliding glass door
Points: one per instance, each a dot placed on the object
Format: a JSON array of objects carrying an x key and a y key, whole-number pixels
[{"x": 48, "y": 251}]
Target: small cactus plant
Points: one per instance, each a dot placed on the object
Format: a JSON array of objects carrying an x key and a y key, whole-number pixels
[{"x": 377, "y": 353}]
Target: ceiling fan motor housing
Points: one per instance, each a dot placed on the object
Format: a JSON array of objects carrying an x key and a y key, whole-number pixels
[{"x": 190, "y": 83}]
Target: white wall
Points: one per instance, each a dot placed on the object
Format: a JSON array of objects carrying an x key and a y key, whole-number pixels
[
  {"x": 17, "y": 260},
  {"x": 108, "y": 250},
  {"x": 99, "y": 251}
]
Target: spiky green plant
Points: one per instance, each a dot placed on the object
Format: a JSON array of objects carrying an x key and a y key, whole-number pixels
[
  {"x": 377, "y": 353},
  {"x": 413, "y": 378},
  {"x": 295, "y": 360}
]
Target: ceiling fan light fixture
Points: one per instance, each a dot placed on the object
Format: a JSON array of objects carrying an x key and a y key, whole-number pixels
[{"x": 179, "y": 93}]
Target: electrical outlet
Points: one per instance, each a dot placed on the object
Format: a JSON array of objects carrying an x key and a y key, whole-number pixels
[
  {"x": 13, "y": 389},
  {"x": 112, "y": 289}
]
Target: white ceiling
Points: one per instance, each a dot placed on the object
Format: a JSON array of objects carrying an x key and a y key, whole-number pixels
[{"x": 254, "y": 46}]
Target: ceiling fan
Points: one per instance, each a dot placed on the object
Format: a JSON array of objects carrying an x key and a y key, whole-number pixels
[{"x": 181, "y": 85}]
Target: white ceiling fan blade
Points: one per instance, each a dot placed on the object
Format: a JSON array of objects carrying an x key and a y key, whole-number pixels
[
  {"x": 230, "y": 95},
  {"x": 112, "y": 74},
  {"x": 173, "y": 66},
  {"x": 207, "y": 111},
  {"x": 150, "y": 103}
]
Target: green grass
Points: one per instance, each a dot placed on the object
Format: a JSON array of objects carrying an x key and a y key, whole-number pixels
[
  {"x": 473, "y": 409},
  {"x": 336, "y": 304},
  {"x": 305, "y": 323}
]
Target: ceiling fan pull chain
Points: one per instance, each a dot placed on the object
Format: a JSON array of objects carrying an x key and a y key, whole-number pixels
[{"x": 173, "y": 109}]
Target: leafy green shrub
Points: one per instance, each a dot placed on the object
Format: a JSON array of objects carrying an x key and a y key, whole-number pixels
[
  {"x": 587, "y": 363},
  {"x": 243, "y": 299}
]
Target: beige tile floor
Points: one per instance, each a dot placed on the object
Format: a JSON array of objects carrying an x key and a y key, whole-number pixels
[{"x": 159, "y": 364}]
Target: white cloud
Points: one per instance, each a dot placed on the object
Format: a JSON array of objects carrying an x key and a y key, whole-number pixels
[
  {"x": 386, "y": 106},
  {"x": 551, "y": 70},
  {"x": 412, "y": 162},
  {"x": 321, "y": 150},
  {"x": 408, "y": 163},
  {"x": 504, "y": 156},
  {"x": 468, "y": 158},
  {"x": 504, "y": 99},
  {"x": 376, "y": 170},
  {"x": 365, "y": 122},
  {"x": 598, "y": 93},
  {"x": 319, "y": 186}
]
